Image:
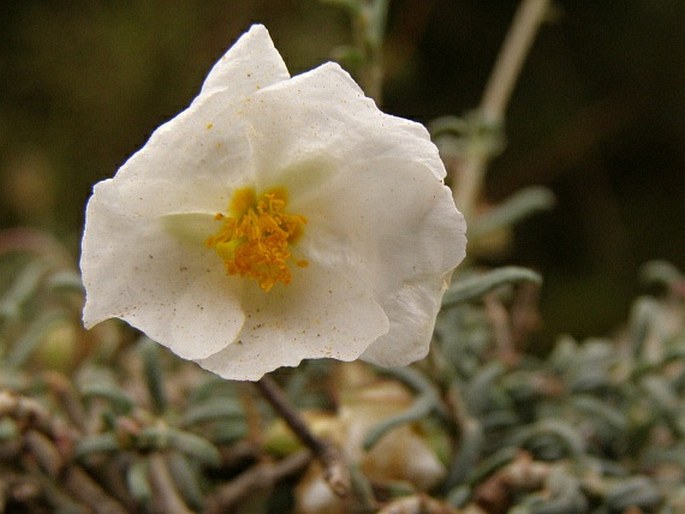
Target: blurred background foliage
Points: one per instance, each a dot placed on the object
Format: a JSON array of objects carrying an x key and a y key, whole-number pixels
[{"x": 598, "y": 115}]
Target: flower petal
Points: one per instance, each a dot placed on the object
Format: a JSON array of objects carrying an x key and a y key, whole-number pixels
[
  {"x": 381, "y": 239},
  {"x": 249, "y": 65},
  {"x": 412, "y": 311},
  {"x": 307, "y": 117},
  {"x": 138, "y": 222},
  {"x": 320, "y": 314},
  {"x": 134, "y": 270},
  {"x": 201, "y": 155},
  {"x": 423, "y": 238},
  {"x": 190, "y": 164},
  {"x": 379, "y": 195},
  {"x": 438, "y": 245}
]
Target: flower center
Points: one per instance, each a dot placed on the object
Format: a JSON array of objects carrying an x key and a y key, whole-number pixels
[{"x": 254, "y": 239}]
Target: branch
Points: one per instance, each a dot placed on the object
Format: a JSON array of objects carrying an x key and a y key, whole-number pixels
[
  {"x": 496, "y": 96},
  {"x": 334, "y": 465},
  {"x": 260, "y": 477}
]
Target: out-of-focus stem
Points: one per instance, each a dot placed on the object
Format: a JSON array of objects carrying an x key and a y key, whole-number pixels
[
  {"x": 369, "y": 30},
  {"x": 260, "y": 477},
  {"x": 84, "y": 489},
  {"x": 500, "y": 85},
  {"x": 510, "y": 60}
]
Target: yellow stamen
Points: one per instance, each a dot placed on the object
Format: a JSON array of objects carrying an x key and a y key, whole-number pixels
[{"x": 253, "y": 239}]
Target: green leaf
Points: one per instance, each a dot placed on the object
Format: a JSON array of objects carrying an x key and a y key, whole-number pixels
[
  {"x": 138, "y": 482},
  {"x": 100, "y": 443},
  {"x": 520, "y": 205},
  {"x": 154, "y": 379},
  {"x": 110, "y": 392},
  {"x": 186, "y": 479},
  {"x": 472, "y": 288},
  {"x": 195, "y": 446},
  {"x": 23, "y": 287},
  {"x": 33, "y": 337},
  {"x": 215, "y": 410}
]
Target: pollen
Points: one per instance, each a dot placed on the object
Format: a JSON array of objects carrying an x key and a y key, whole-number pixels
[{"x": 256, "y": 237}]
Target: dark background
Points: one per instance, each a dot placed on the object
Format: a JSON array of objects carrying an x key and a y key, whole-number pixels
[{"x": 598, "y": 115}]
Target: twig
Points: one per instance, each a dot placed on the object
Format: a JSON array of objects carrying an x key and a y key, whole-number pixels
[
  {"x": 510, "y": 60},
  {"x": 496, "y": 96},
  {"x": 525, "y": 314},
  {"x": 259, "y": 477},
  {"x": 83, "y": 488},
  {"x": 44, "y": 451},
  {"x": 65, "y": 392},
  {"x": 501, "y": 329},
  {"x": 417, "y": 504},
  {"x": 238, "y": 454},
  {"x": 495, "y": 494},
  {"x": 29, "y": 412},
  {"x": 333, "y": 463},
  {"x": 369, "y": 31}
]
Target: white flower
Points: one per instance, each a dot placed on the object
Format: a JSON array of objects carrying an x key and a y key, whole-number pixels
[{"x": 273, "y": 220}]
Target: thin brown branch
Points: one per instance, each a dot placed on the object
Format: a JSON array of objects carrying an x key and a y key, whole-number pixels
[
  {"x": 501, "y": 329},
  {"x": 495, "y": 495},
  {"x": 258, "y": 478},
  {"x": 525, "y": 314},
  {"x": 332, "y": 461},
  {"x": 45, "y": 452},
  {"x": 239, "y": 454},
  {"x": 64, "y": 391},
  {"x": 30, "y": 413},
  {"x": 83, "y": 488},
  {"x": 417, "y": 504}
]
